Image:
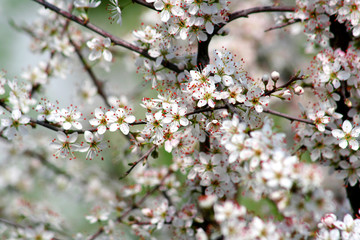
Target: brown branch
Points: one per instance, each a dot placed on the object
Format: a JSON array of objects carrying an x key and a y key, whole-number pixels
[
  {"x": 114, "y": 39},
  {"x": 99, "y": 85},
  {"x": 142, "y": 158},
  {"x": 98, "y": 233},
  {"x": 247, "y": 12},
  {"x": 290, "y": 22},
  {"x": 144, "y": 3}
]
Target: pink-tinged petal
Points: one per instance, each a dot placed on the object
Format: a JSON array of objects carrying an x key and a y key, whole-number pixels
[
  {"x": 130, "y": 119},
  {"x": 343, "y": 143},
  {"x": 73, "y": 137},
  {"x": 88, "y": 136},
  {"x": 124, "y": 128},
  {"x": 347, "y": 126},
  {"x": 337, "y": 133}
]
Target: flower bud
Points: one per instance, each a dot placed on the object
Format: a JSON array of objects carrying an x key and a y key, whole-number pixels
[
  {"x": 298, "y": 90},
  {"x": 287, "y": 95},
  {"x": 275, "y": 76}
]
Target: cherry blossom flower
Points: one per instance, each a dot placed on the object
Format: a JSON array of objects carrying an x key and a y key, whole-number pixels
[
  {"x": 350, "y": 171},
  {"x": 161, "y": 214},
  {"x": 14, "y": 125},
  {"x": 347, "y": 136},
  {"x": 65, "y": 145},
  {"x": 167, "y": 8},
  {"x": 46, "y": 112},
  {"x": 99, "y": 47},
  {"x": 121, "y": 120},
  {"x": 93, "y": 146},
  {"x": 206, "y": 96},
  {"x": 176, "y": 118},
  {"x": 69, "y": 118},
  {"x": 100, "y": 216},
  {"x": 319, "y": 119},
  {"x": 255, "y": 99},
  {"x": 101, "y": 120},
  {"x": 350, "y": 228},
  {"x": 228, "y": 210}
]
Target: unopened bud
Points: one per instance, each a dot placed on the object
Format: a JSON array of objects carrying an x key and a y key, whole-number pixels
[
  {"x": 275, "y": 76},
  {"x": 287, "y": 95},
  {"x": 298, "y": 90},
  {"x": 265, "y": 79}
]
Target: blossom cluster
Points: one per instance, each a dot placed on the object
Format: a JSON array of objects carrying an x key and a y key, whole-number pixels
[{"x": 318, "y": 15}]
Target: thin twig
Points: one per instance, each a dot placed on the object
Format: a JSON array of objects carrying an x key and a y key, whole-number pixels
[
  {"x": 288, "y": 83},
  {"x": 290, "y": 22},
  {"x": 114, "y": 39},
  {"x": 12, "y": 224},
  {"x": 99, "y": 85},
  {"x": 142, "y": 158},
  {"x": 48, "y": 164}
]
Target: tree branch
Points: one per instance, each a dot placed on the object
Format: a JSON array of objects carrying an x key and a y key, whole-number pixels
[
  {"x": 142, "y": 158},
  {"x": 114, "y": 39},
  {"x": 99, "y": 85}
]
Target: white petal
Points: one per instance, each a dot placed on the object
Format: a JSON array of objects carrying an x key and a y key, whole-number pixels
[
  {"x": 124, "y": 128},
  {"x": 337, "y": 133},
  {"x": 347, "y": 126},
  {"x": 88, "y": 136},
  {"x": 107, "y": 55},
  {"x": 343, "y": 143}
]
